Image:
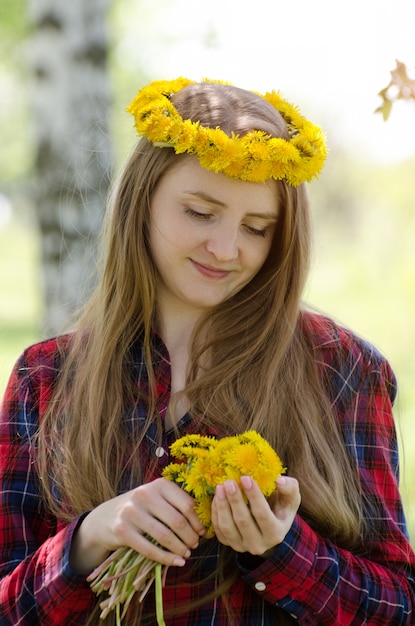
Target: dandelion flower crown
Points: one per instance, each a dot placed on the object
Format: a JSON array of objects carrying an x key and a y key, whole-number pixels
[{"x": 254, "y": 157}]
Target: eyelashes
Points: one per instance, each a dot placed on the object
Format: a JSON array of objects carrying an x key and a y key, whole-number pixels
[
  {"x": 205, "y": 217},
  {"x": 256, "y": 231}
]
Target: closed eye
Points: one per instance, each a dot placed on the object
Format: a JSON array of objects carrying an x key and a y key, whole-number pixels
[
  {"x": 205, "y": 217},
  {"x": 256, "y": 231},
  {"x": 197, "y": 215}
]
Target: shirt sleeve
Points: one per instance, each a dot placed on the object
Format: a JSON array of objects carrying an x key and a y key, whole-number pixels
[
  {"x": 37, "y": 585},
  {"x": 308, "y": 575}
]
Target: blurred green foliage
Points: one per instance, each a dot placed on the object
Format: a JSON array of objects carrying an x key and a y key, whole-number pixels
[
  {"x": 15, "y": 151},
  {"x": 364, "y": 275},
  {"x": 13, "y": 22},
  {"x": 20, "y": 301}
]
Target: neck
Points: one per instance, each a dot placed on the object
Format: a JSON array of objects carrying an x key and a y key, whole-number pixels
[
  {"x": 176, "y": 329},
  {"x": 176, "y": 323}
]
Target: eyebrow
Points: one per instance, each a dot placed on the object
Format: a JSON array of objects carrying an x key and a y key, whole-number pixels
[{"x": 208, "y": 198}]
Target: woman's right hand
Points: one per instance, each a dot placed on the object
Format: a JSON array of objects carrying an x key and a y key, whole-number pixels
[{"x": 159, "y": 509}]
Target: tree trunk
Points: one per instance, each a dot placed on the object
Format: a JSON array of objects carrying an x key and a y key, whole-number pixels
[{"x": 68, "y": 53}]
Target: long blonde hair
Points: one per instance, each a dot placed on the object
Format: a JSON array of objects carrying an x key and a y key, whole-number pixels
[{"x": 262, "y": 370}]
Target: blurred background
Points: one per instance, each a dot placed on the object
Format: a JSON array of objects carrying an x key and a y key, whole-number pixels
[{"x": 67, "y": 72}]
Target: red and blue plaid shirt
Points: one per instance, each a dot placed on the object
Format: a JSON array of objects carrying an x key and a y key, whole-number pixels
[{"x": 308, "y": 576}]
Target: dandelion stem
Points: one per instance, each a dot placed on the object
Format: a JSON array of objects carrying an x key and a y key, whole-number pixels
[{"x": 159, "y": 595}]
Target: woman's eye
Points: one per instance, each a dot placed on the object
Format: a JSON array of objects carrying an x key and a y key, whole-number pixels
[
  {"x": 257, "y": 231},
  {"x": 197, "y": 215}
]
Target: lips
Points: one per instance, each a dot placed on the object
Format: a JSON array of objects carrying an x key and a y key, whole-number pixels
[{"x": 210, "y": 272}]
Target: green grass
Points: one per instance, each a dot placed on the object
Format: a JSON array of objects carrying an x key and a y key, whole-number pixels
[{"x": 369, "y": 287}]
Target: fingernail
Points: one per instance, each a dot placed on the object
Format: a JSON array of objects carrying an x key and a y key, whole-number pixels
[
  {"x": 220, "y": 492},
  {"x": 230, "y": 487},
  {"x": 178, "y": 561},
  {"x": 281, "y": 480},
  {"x": 188, "y": 553},
  {"x": 246, "y": 482}
]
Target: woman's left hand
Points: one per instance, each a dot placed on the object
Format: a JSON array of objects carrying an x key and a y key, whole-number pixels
[{"x": 259, "y": 525}]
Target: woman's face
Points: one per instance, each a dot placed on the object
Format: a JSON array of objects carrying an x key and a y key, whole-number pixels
[{"x": 209, "y": 235}]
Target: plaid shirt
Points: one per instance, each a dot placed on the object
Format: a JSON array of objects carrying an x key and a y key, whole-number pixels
[{"x": 308, "y": 576}]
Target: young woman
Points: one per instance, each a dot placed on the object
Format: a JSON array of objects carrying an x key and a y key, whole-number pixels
[{"x": 196, "y": 326}]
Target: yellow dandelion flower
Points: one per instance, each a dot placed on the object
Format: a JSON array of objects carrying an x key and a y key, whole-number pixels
[
  {"x": 216, "y": 465},
  {"x": 258, "y": 171},
  {"x": 186, "y": 140},
  {"x": 213, "y": 473},
  {"x": 174, "y": 472},
  {"x": 265, "y": 479},
  {"x": 211, "y": 160},
  {"x": 257, "y": 145},
  {"x": 158, "y": 131},
  {"x": 194, "y": 483},
  {"x": 225, "y": 444},
  {"x": 244, "y": 458},
  {"x": 278, "y": 170},
  {"x": 158, "y": 88},
  {"x": 269, "y": 458},
  {"x": 173, "y": 132},
  {"x": 203, "y": 473},
  {"x": 203, "y": 140},
  {"x": 251, "y": 436},
  {"x": 282, "y": 152},
  {"x": 235, "y": 169},
  {"x": 304, "y": 146},
  {"x": 203, "y": 508},
  {"x": 191, "y": 452},
  {"x": 191, "y": 441},
  {"x": 141, "y": 121},
  {"x": 299, "y": 173},
  {"x": 217, "y": 138},
  {"x": 231, "y": 473},
  {"x": 231, "y": 152}
]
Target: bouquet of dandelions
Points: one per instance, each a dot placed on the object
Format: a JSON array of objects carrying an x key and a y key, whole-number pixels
[{"x": 204, "y": 463}]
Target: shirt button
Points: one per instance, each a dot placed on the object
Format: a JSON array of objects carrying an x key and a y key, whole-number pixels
[
  {"x": 159, "y": 452},
  {"x": 260, "y": 586}
]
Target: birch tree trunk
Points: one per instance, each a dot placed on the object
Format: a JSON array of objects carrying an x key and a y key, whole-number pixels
[{"x": 68, "y": 54}]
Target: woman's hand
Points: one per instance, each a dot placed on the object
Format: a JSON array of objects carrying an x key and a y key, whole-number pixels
[
  {"x": 261, "y": 524},
  {"x": 159, "y": 509}
]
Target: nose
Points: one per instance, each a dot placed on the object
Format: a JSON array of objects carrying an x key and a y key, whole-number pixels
[{"x": 223, "y": 243}]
